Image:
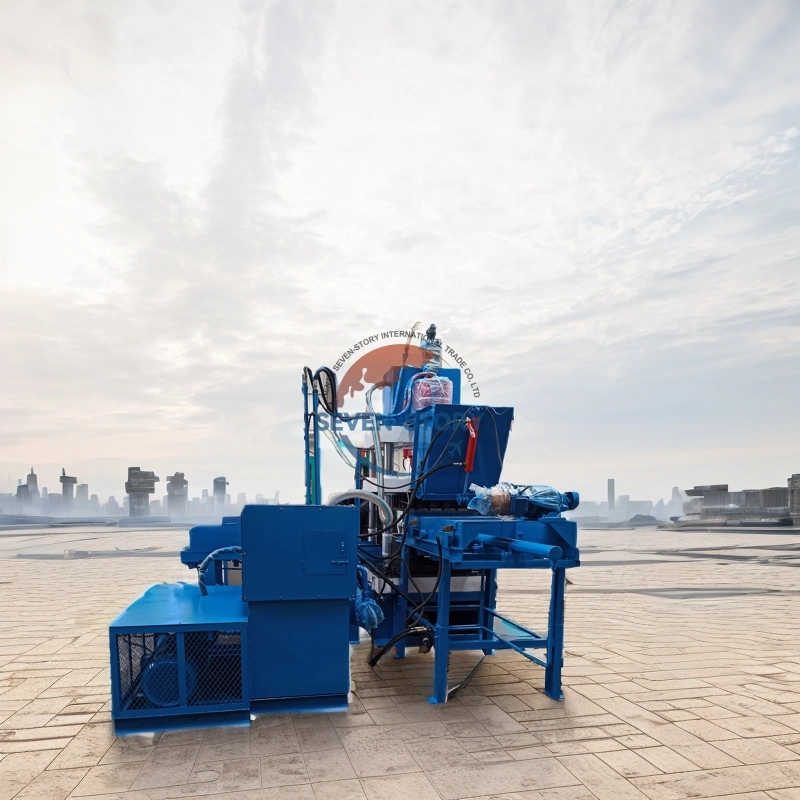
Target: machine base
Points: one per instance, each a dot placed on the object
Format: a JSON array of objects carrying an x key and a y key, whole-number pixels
[
  {"x": 127, "y": 726},
  {"x": 322, "y": 704}
]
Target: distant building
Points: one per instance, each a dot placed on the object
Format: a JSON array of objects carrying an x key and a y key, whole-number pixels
[
  {"x": 794, "y": 498},
  {"x": 219, "y": 491},
  {"x": 32, "y": 482},
  {"x": 177, "y": 492},
  {"x": 67, "y": 488},
  {"x": 23, "y": 496},
  {"x": 139, "y": 486},
  {"x": 674, "y": 507},
  {"x": 715, "y": 501}
]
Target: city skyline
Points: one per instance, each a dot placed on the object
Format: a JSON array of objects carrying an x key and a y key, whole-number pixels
[
  {"x": 140, "y": 499},
  {"x": 666, "y": 505},
  {"x": 44, "y": 489}
]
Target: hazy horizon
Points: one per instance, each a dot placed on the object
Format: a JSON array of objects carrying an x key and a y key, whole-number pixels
[{"x": 597, "y": 203}]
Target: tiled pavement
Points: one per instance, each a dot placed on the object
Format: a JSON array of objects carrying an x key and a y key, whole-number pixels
[{"x": 682, "y": 680}]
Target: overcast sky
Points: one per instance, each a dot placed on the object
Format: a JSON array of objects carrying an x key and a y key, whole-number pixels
[{"x": 598, "y": 203}]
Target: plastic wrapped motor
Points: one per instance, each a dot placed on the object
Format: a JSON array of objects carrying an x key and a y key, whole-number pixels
[
  {"x": 497, "y": 500},
  {"x": 546, "y": 497},
  {"x": 431, "y": 391}
]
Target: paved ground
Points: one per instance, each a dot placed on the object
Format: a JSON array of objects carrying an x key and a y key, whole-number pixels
[{"x": 682, "y": 680}]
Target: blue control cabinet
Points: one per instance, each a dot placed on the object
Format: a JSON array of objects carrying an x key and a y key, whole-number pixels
[{"x": 299, "y": 578}]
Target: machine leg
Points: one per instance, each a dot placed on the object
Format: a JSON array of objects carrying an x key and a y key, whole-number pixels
[
  {"x": 401, "y": 607},
  {"x": 441, "y": 642},
  {"x": 488, "y": 593},
  {"x": 555, "y": 636}
]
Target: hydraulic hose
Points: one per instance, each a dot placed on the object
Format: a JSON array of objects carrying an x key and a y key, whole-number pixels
[
  {"x": 211, "y": 557},
  {"x": 387, "y": 517},
  {"x": 376, "y": 441}
]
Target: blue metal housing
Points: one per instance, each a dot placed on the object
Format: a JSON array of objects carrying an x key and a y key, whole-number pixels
[
  {"x": 181, "y": 658},
  {"x": 299, "y": 577},
  {"x": 441, "y": 437},
  {"x": 204, "y": 539}
]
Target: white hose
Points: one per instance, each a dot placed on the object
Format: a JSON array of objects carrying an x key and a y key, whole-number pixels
[
  {"x": 376, "y": 441},
  {"x": 383, "y": 507}
]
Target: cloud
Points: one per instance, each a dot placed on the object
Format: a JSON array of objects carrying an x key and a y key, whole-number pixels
[{"x": 597, "y": 203}]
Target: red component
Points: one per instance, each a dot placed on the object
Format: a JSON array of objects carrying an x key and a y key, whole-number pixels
[
  {"x": 407, "y": 455},
  {"x": 471, "y": 444}
]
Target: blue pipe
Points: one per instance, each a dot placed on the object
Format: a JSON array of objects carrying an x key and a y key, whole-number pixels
[{"x": 550, "y": 551}]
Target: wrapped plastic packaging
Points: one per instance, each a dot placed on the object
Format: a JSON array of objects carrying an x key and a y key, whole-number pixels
[
  {"x": 546, "y": 497},
  {"x": 496, "y": 500},
  {"x": 431, "y": 391},
  {"x": 368, "y": 613}
]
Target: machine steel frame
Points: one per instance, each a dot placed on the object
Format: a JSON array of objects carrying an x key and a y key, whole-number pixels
[{"x": 484, "y": 635}]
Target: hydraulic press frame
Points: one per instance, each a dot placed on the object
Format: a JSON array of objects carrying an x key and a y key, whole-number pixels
[{"x": 454, "y": 538}]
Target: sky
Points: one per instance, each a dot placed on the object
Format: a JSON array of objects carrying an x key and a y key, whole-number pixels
[{"x": 598, "y": 203}]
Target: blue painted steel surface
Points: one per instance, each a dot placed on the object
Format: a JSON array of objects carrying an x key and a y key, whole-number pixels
[
  {"x": 166, "y": 605},
  {"x": 441, "y": 437},
  {"x": 300, "y": 652},
  {"x": 204, "y": 539},
  {"x": 299, "y": 552},
  {"x": 299, "y": 578},
  {"x": 179, "y": 658},
  {"x": 458, "y": 537}
]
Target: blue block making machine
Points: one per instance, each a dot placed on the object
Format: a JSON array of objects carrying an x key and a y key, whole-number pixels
[{"x": 410, "y": 555}]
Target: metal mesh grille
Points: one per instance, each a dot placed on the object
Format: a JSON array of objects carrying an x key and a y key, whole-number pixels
[
  {"x": 217, "y": 657},
  {"x": 154, "y": 673}
]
